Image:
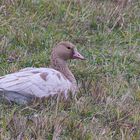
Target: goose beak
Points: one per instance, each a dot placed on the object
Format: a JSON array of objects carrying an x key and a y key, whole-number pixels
[{"x": 77, "y": 55}]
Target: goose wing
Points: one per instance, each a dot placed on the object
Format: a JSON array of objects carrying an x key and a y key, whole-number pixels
[{"x": 38, "y": 82}]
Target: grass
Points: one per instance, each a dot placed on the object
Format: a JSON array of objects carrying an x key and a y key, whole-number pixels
[{"x": 108, "y": 34}]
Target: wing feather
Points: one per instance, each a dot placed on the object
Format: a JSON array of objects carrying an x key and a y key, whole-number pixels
[{"x": 29, "y": 81}]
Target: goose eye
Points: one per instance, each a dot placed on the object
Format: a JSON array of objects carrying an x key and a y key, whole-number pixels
[{"x": 68, "y": 48}]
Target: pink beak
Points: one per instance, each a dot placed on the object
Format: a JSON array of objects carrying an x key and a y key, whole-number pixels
[{"x": 77, "y": 55}]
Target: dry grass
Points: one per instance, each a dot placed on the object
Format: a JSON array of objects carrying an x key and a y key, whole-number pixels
[{"x": 108, "y": 34}]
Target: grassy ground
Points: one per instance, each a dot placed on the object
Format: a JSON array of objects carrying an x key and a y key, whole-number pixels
[{"x": 108, "y": 34}]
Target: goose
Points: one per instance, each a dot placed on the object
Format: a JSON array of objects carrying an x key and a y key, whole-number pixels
[{"x": 28, "y": 83}]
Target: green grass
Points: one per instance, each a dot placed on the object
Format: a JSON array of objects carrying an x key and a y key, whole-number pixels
[{"x": 108, "y": 35}]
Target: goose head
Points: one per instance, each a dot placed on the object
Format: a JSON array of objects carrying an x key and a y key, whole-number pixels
[
  {"x": 65, "y": 51},
  {"x": 60, "y": 54}
]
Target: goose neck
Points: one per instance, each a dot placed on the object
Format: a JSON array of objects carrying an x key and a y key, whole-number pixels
[{"x": 61, "y": 66}]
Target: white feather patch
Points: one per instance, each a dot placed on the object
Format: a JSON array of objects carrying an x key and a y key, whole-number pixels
[{"x": 40, "y": 82}]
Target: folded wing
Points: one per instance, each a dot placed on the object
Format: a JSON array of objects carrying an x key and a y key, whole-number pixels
[{"x": 33, "y": 82}]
